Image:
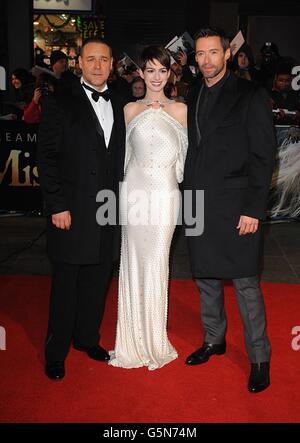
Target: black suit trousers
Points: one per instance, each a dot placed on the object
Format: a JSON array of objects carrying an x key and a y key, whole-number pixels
[{"x": 77, "y": 303}]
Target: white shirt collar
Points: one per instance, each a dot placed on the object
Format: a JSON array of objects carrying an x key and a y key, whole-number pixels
[{"x": 91, "y": 86}]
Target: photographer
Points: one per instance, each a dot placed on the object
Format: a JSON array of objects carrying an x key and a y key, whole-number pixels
[
  {"x": 23, "y": 84},
  {"x": 269, "y": 60},
  {"x": 45, "y": 84},
  {"x": 285, "y": 102}
]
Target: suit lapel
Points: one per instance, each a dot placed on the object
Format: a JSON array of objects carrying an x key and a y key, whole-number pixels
[
  {"x": 193, "y": 124},
  {"x": 198, "y": 132},
  {"x": 98, "y": 127},
  {"x": 88, "y": 110},
  {"x": 115, "y": 109},
  {"x": 93, "y": 114}
]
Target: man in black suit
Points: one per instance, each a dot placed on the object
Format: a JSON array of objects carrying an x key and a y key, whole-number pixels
[
  {"x": 80, "y": 152},
  {"x": 231, "y": 156}
]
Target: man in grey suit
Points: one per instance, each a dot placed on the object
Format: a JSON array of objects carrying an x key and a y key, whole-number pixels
[{"x": 231, "y": 156}]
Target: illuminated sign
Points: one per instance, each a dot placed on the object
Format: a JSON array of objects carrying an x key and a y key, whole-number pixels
[{"x": 63, "y": 5}]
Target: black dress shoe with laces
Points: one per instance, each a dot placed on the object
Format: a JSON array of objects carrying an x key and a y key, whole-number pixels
[
  {"x": 95, "y": 352},
  {"x": 55, "y": 370},
  {"x": 202, "y": 354},
  {"x": 259, "y": 378}
]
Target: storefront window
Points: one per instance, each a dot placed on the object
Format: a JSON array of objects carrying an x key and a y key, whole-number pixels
[{"x": 64, "y": 32}]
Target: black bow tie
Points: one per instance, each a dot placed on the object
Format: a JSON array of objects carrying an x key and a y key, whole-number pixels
[{"x": 96, "y": 94}]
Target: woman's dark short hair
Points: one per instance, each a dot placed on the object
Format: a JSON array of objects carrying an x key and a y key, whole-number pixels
[
  {"x": 158, "y": 53},
  {"x": 23, "y": 75},
  {"x": 246, "y": 49},
  {"x": 213, "y": 32}
]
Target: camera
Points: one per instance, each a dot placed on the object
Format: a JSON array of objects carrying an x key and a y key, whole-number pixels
[{"x": 44, "y": 88}]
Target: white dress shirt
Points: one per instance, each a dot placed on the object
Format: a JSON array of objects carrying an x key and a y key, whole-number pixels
[{"x": 103, "y": 110}]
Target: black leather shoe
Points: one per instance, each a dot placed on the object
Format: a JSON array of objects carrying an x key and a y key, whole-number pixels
[
  {"x": 95, "y": 352},
  {"x": 259, "y": 378},
  {"x": 202, "y": 354},
  {"x": 55, "y": 370}
]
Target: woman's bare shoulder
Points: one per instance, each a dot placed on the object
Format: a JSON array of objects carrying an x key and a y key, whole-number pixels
[
  {"x": 131, "y": 108},
  {"x": 180, "y": 106},
  {"x": 130, "y": 105},
  {"x": 179, "y": 111}
]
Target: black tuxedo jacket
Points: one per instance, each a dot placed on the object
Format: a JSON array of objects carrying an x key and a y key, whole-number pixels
[
  {"x": 74, "y": 165},
  {"x": 232, "y": 161}
]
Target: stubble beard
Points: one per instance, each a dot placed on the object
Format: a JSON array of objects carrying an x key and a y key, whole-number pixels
[{"x": 215, "y": 73}]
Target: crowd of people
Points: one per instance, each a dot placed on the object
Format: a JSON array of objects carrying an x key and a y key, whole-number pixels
[{"x": 272, "y": 71}]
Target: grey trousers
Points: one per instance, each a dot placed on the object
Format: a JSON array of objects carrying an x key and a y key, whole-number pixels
[{"x": 252, "y": 310}]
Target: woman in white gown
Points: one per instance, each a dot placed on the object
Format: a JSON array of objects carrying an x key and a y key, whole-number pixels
[{"x": 156, "y": 144}]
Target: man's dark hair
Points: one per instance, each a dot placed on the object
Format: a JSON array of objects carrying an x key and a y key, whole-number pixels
[
  {"x": 95, "y": 40},
  {"x": 45, "y": 78},
  {"x": 56, "y": 56},
  {"x": 130, "y": 69},
  {"x": 137, "y": 80},
  {"x": 284, "y": 69},
  {"x": 158, "y": 53},
  {"x": 213, "y": 32}
]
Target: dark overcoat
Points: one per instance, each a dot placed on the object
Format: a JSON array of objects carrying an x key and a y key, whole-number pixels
[
  {"x": 232, "y": 161},
  {"x": 74, "y": 165}
]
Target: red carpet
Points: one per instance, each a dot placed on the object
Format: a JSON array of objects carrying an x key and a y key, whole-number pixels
[{"x": 95, "y": 392}]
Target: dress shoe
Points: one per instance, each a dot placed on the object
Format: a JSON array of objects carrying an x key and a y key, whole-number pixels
[
  {"x": 259, "y": 378},
  {"x": 95, "y": 352},
  {"x": 55, "y": 370},
  {"x": 202, "y": 354}
]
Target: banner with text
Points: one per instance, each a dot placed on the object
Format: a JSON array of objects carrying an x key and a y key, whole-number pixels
[{"x": 19, "y": 183}]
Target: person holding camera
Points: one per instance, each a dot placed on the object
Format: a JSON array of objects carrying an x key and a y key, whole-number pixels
[
  {"x": 23, "y": 86},
  {"x": 284, "y": 100},
  {"x": 45, "y": 84}
]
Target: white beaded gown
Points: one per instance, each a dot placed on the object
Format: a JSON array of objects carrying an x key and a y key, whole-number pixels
[{"x": 156, "y": 146}]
